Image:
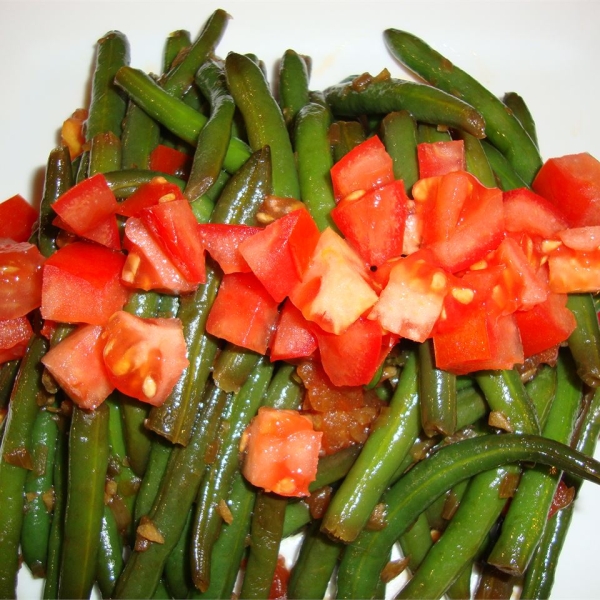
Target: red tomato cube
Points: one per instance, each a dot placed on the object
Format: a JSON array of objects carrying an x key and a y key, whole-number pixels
[
  {"x": 439, "y": 158},
  {"x": 281, "y": 452},
  {"x": 223, "y": 241},
  {"x": 14, "y": 338},
  {"x": 17, "y": 218}
]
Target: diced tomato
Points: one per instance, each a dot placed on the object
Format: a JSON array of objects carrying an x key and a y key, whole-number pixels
[
  {"x": 374, "y": 223},
  {"x": 72, "y": 132},
  {"x": 545, "y": 325},
  {"x": 148, "y": 267},
  {"x": 439, "y": 158},
  {"x": 222, "y": 242},
  {"x": 77, "y": 364},
  {"x": 519, "y": 288},
  {"x": 144, "y": 357},
  {"x": 20, "y": 278},
  {"x": 462, "y": 220},
  {"x": 458, "y": 303},
  {"x": 366, "y": 167},
  {"x": 524, "y": 210},
  {"x": 82, "y": 284},
  {"x": 572, "y": 184},
  {"x": 281, "y": 452},
  {"x": 14, "y": 338},
  {"x": 279, "y": 254},
  {"x": 158, "y": 189},
  {"x": 251, "y": 323},
  {"x": 484, "y": 342},
  {"x": 582, "y": 239},
  {"x": 175, "y": 228},
  {"x": 86, "y": 205},
  {"x": 170, "y": 160},
  {"x": 334, "y": 291},
  {"x": 17, "y": 218},
  {"x": 352, "y": 357},
  {"x": 412, "y": 301},
  {"x": 294, "y": 336},
  {"x": 106, "y": 232},
  {"x": 572, "y": 271}
]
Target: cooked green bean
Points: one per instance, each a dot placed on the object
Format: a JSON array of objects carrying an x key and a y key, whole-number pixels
[
  {"x": 519, "y": 108},
  {"x": 584, "y": 342},
  {"x": 399, "y": 134},
  {"x": 294, "y": 75}
]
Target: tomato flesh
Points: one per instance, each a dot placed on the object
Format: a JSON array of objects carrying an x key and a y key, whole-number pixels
[
  {"x": 281, "y": 452},
  {"x": 439, "y": 158},
  {"x": 14, "y": 338},
  {"x": 17, "y": 218},
  {"x": 223, "y": 241},
  {"x": 144, "y": 357}
]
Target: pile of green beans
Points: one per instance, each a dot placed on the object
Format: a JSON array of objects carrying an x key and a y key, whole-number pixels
[{"x": 149, "y": 502}]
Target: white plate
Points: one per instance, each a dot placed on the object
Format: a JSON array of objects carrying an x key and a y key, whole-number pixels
[{"x": 546, "y": 51}]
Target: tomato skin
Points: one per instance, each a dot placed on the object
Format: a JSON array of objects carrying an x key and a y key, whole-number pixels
[
  {"x": 222, "y": 242},
  {"x": 352, "y": 357},
  {"x": 86, "y": 204},
  {"x": 335, "y": 289},
  {"x": 281, "y": 452},
  {"x": 21, "y": 274},
  {"x": 105, "y": 232},
  {"x": 439, "y": 158},
  {"x": 526, "y": 211},
  {"x": 144, "y": 358},
  {"x": 366, "y": 167},
  {"x": 77, "y": 364},
  {"x": 174, "y": 227},
  {"x": 82, "y": 284},
  {"x": 572, "y": 184},
  {"x": 462, "y": 220},
  {"x": 582, "y": 239},
  {"x": 14, "y": 338},
  {"x": 374, "y": 223},
  {"x": 412, "y": 301},
  {"x": 545, "y": 325},
  {"x": 252, "y": 322},
  {"x": 149, "y": 194},
  {"x": 280, "y": 253},
  {"x": 294, "y": 336},
  {"x": 148, "y": 266},
  {"x": 17, "y": 218}
]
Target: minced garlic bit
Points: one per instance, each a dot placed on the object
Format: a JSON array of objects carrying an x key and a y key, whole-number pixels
[
  {"x": 225, "y": 512},
  {"x": 394, "y": 568},
  {"x": 147, "y": 530},
  {"x": 499, "y": 420}
]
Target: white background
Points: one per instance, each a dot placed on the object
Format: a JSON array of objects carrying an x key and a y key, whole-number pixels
[{"x": 545, "y": 51}]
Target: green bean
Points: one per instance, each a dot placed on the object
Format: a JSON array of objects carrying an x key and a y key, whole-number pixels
[
  {"x": 476, "y": 160},
  {"x": 88, "y": 464},
  {"x": 416, "y": 542},
  {"x": 470, "y": 407},
  {"x": 214, "y": 137},
  {"x": 264, "y": 122},
  {"x": 427, "y": 480},
  {"x": 177, "y": 567},
  {"x": 230, "y": 547},
  {"x": 107, "y": 105},
  {"x": 293, "y": 85},
  {"x": 59, "y": 480},
  {"x": 110, "y": 554},
  {"x": 233, "y": 366},
  {"x": 124, "y": 182},
  {"x": 461, "y": 587},
  {"x": 8, "y": 373},
  {"x": 478, "y": 511},
  {"x": 178, "y": 488},
  {"x": 179, "y": 118},
  {"x": 391, "y": 438},
  {"x": 426, "y": 104},
  {"x": 524, "y": 522},
  {"x": 430, "y": 134},
  {"x": 37, "y": 519},
  {"x": 284, "y": 390},
  {"x": 16, "y": 461},
  {"x": 584, "y": 342},
  {"x": 175, "y": 46},
  {"x": 506, "y": 394},
  {"x": 437, "y": 394},
  {"x": 141, "y": 134},
  {"x": 180, "y": 76},
  {"x": 208, "y": 522},
  {"x": 521, "y": 111},
  {"x": 314, "y": 566},
  {"x": 494, "y": 584},
  {"x": 297, "y": 516},
  {"x": 501, "y": 127},
  {"x": 315, "y": 160},
  {"x": 58, "y": 179},
  {"x": 399, "y": 134},
  {"x": 542, "y": 389},
  {"x": 506, "y": 177},
  {"x": 345, "y": 135}
]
